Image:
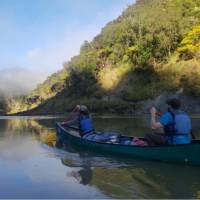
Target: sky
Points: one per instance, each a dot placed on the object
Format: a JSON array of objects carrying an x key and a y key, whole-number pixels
[{"x": 40, "y": 35}]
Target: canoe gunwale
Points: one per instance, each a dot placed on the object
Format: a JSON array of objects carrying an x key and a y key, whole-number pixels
[{"x": 195, "y": 142}]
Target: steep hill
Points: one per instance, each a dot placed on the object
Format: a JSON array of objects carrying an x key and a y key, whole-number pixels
[{"x": 153, "y": 47}]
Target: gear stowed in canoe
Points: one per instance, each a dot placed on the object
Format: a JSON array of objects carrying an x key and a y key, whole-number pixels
[{"x": 184, "y": 153}]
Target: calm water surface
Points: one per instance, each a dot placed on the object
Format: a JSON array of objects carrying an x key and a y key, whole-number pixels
[{"x": 31, "y": 169}]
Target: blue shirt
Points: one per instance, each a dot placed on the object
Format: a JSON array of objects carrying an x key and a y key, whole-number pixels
[
  {"x": 85, "y": 124},
  {"x": 166, "y": 119}
]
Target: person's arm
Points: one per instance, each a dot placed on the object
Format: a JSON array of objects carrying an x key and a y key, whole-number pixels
[
  {"x": 154, "y": 124},
  {"x": 74, "y": 121},
  {"x": 72, "y": 116}
]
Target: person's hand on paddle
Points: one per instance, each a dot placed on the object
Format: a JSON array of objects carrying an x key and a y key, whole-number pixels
[
  {"x": 153, "y": 111},
  {"x": 154, "y": 124}
]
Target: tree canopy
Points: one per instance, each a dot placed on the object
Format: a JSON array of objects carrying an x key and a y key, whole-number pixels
[{"x": 145, "y": 51}]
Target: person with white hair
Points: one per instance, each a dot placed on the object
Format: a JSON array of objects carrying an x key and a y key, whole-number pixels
[{"x": 80, "y": 116}]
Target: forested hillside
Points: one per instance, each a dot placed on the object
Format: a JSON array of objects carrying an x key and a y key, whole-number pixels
[{"x": 153, "y": 47}]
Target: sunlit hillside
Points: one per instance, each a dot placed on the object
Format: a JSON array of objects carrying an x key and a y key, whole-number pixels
[{"x": 153, "y": 47}]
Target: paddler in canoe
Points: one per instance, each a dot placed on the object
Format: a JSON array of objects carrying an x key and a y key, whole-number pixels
[
  {"x": 175, "y": 123},
  {"x": 177, "y": 146},
  {"x": 80, "y": 117}
]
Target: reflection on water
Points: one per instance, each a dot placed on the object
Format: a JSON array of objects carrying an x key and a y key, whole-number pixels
[
  {"x": 119, "y": 178},
  {"x": 31, "y": 169}
]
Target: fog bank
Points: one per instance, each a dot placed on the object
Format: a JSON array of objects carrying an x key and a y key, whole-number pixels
[{"x": 19, "y": 81}]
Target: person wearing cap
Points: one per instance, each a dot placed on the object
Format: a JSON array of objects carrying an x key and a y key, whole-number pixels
[
  {"x": 80, "y": 117},
  {"x": 175, "y": 123},
  {"x": 85, "y": 122},
  {"x": 73, "y": 116}
]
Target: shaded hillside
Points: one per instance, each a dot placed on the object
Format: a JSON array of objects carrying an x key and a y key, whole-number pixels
[
  {"x": 153, "y": 47},
  {"x": 3, "y": 106}
]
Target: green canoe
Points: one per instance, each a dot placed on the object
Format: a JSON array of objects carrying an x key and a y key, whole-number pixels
[{"x": 185, "y": 153}]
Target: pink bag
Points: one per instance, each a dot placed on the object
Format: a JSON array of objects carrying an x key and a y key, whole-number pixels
[{"x": 139, "y": 142}]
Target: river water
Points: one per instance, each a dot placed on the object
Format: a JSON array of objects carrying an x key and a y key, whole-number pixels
[{"x": 29, "y": 168}]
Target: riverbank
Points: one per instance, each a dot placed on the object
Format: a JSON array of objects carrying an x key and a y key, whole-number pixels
[{"x": 112, "y": 107}]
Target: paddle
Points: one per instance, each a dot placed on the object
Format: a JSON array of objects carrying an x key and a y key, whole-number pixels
[{"x": 72, "y": 114}]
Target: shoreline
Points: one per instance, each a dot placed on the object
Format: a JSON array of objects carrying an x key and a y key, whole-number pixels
[{"x": 94, "y": 115}]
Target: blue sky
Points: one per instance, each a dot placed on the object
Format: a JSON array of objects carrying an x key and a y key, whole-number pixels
[{"x": 42, "y": 34}]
